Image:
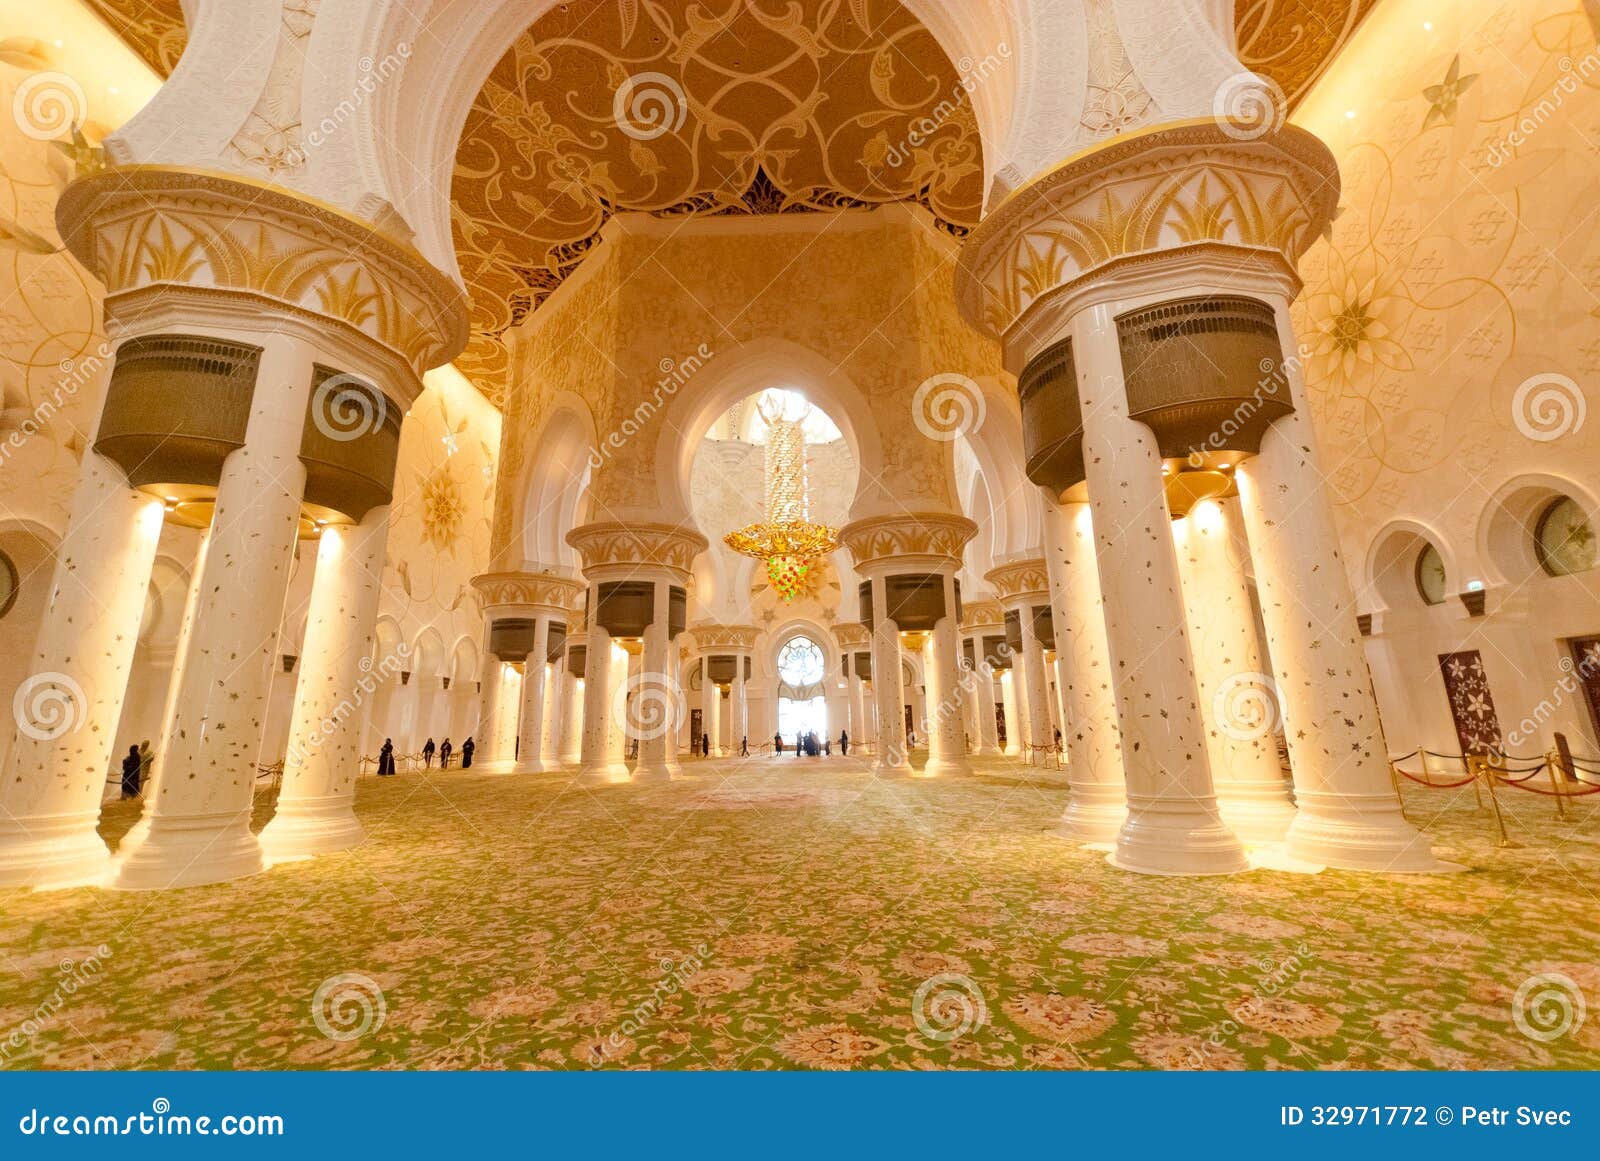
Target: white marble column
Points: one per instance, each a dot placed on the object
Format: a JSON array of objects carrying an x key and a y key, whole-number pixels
[
  {"x": 199, "y": 828},
  {"x": 530, "y": 720},
  {"x": 654, "y": 714},
  {"x": 1349, "y": 815},
  {"x": 711, "y": 710},
  {"x": 891, "y": 758},
  {"x": 553, "y": 712},
  {"x": 1008, "y": 706},
  {"x": 1241, "y": 712},
  {"x": 1034, "y": 694},
  {"x": 316, "y": 802},
  {"x": 984, "y": 695},
  {"x": 1097, "y": 805},
  {"x": 491, "y": 754},
  {"x": 67, "y": 708},
  {"x": 602, "y": 758},
  {"x": 947, "y": 752},
  {"x": 1174, "y": 825},
  {"x": 740, "y": 707},
  {"x": 858, "y": 707},
  {"x": 573, "y": 700}
]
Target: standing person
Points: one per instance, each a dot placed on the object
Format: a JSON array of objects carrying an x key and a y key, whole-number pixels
[
  {"x": 444, "y": 754},
  {"x": 466, "y": 752},
  {"x": 799, "y": 744},
  {"x": 427, "y": 754},
  {"x": 827, "y": 746},
  {"x": 386, "y": 759},
  {"x": 777, "y": 743},
  {"x": 705, "y": 745},
  {"x": 844, "y": 743},
  {"x": 744, "y": 746},
  {"x": 131, "y": 769}
]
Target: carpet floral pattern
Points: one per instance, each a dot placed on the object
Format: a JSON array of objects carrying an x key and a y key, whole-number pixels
[{"x": 781, "y": 914}]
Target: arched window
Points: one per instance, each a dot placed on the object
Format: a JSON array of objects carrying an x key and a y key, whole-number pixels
[
  {"x": 8, "y": 584},
  {"x": 1430, "y": 575},
  {"x": 801, "y": 663},
  {"x": 1563, "y": 540}
]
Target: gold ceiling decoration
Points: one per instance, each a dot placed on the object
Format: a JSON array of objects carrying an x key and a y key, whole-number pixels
[{"x": 730, "y": 107}]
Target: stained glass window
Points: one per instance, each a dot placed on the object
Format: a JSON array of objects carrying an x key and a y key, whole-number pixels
[
  {"x": 1563, "y": 539},
  {"x": 1430, "y": 575},
  {"x": 800, "y": 662}
]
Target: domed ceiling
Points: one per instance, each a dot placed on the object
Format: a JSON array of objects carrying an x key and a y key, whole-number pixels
[{"x": 717, "y": 107}]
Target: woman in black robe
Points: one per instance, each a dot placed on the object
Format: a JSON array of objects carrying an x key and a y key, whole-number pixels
[
  {"x": 444, "y": 754},
  {"x": 466, "y": 752},
  {"x": 130, "y": 773},
  {"x": 386, "y": 759}
]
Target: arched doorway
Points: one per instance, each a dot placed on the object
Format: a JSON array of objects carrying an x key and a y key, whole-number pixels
[{"x": 802, "y": 704}]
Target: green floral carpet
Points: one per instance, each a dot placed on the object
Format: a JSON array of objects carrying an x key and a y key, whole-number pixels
[{"x": 783, "y": 913}]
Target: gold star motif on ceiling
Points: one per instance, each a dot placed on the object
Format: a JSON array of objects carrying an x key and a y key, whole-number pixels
[{"x": 1443, "y": 97}]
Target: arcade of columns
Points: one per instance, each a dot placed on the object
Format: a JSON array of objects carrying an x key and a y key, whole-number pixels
[{"x": 1165, "y": 421}]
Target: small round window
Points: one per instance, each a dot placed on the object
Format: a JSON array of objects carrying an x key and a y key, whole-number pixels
[
  {"x": 8, "y": 584},
  {"x": 1563, "y": 539},
  {"x": 1430, "y": 575},
  {"x": 800, "y": 662}
]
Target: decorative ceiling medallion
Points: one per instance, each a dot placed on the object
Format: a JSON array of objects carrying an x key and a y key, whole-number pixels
[{"x": 742, "y": 107}]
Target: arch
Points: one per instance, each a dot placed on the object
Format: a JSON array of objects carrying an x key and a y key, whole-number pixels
[
  {"x": 1506, "y": 525},
  {"x": 551, "y": 490},
  {"x": 389, "y": 642},
  {"x": 428, "y": 657},
  {"x": 1389, "y": 573},
  {"x": 441, "y": 53},
  {"x": 464, "y": 660},
  {"x": 749, "y": 368}
]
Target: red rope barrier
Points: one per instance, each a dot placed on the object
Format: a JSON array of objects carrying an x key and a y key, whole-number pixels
[
  {"x": 1557, "y": 793},
  {"x": 1435, "y": 785}
]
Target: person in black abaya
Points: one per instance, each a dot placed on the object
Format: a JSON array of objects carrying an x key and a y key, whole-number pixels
[
  {"x": 386, "y": 759},
  {"x": 466, "y": 753},
  {"x": 444, "y": 754},
  {"x": 131, "y": 770}
]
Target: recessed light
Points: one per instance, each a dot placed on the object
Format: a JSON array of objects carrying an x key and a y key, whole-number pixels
[{"x": 1349, "y": 114}]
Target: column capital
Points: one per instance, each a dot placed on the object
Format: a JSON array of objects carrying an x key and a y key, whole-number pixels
[
  {"x": 978, "y": 615},
  {"x": 147, "y": 229},
  {"x": 613, "y": 550},
  {"x": 532, "y": 593},
  {"x": 914, "y": 540},
  {"x": 1202, "y": 184},
  {"x": 1020, "y": 582},
  {"x": 713, "y": 638},
  {"x": 852, "y": 635}
]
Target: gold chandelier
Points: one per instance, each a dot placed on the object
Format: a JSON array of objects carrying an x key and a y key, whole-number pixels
[{"x": 787, "y": 540}]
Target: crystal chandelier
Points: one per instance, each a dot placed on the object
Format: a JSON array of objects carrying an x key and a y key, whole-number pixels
[{"x": 787, "y": 539}]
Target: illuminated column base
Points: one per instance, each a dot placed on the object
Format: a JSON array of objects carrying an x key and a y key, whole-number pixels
[{"x": 68, "y": 707}]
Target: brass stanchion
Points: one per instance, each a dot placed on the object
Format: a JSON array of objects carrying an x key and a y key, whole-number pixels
[
  {"x": 1394, "y": 780},
  {"x": 1484, "y": 769},
  {"x": 1552, "y": 762}
]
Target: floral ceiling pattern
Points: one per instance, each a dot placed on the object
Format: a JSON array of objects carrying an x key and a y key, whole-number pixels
[{"x": 725, "y": 109}]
